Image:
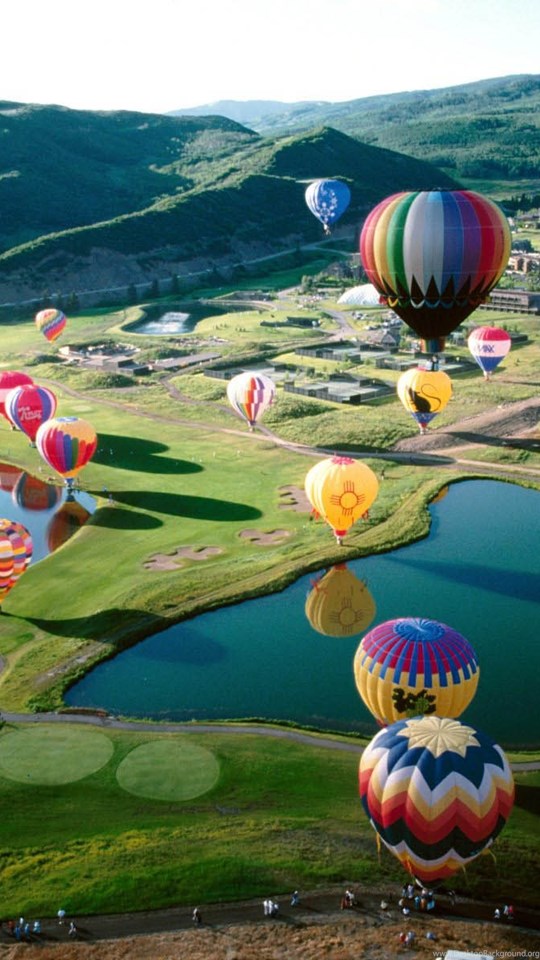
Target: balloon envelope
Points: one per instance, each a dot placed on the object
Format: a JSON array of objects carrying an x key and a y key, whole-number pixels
[
  {"x": 66, "y": 444},
  {"x": 328, "y": 200},
  {"x": 15, "y": 554},
  {"x": 50, "y": 323},
  {"x": 413, "y": 665},
  {"x": 28, "y": 406},
  {"x": 341, "y": 490},
  {"x": 65, "y": 523},
  {"x": 437, "y": 792},
  {"x": 424, "y": 393},
  {"x": 435, "y": 255},
  {"x": 8, "y": 380},
  {"x": 250, "y": 394},
  {"x": 31, "y": 493},
  {"x": 340, "y": 604},
  {"x": 488, "y": 346}
]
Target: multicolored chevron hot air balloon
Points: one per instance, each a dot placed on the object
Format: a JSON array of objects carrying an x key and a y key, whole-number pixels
[
  {"x": 10, "y": 379},
  {"x": 424, "y": 394},
  {"x": 250, "y": 394},
  {"x": 328, "y": 200},
  {"x": 27, "y": 407},
  {"x": 67, "y": 521},
  {"x": 50, "y": 323},
  {"x": 341, "y": 491},
  {"x": 340, "y": 604},
  {"x": 15, "y": 554},
  {"x": 31, "y": 493},
  {"x": 434, "y": 256},
  {"x": 437, "y": 792},
  {"x": 66, "y": 444},
  {"x": 489, "y": 345},
  {"x": 413, "y": 665}
]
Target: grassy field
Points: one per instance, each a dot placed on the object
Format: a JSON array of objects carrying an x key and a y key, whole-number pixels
[{"x": 254, "y": 814}]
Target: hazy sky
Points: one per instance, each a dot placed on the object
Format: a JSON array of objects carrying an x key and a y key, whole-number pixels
[{"x": 160, "y": 55}]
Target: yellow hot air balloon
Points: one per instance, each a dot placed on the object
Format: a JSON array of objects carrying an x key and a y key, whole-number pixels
[
  {"x": 340, "y": 604},
  {"x": 341, "y": 491},
  {"x": 424, "y": 394}
]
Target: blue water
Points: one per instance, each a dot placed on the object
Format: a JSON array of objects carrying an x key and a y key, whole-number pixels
[{"x": 477, "y": 571}]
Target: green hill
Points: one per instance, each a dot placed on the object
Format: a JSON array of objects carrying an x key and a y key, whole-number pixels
[{"x": 188, "y": 188}]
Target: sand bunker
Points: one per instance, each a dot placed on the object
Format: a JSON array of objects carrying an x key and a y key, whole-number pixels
[
  {"x": 294, "y": 498},
  {"x": 174, "y": 560},
  {"x": 262, "y": 539}
]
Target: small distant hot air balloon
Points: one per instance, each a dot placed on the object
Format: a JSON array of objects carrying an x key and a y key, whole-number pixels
[
  {"x": 67, "y": 521},
  {"x": 434, "y": 256},
  {"x": 31, "y": 493},
  {"x": 341, "y": 491},
  {"x": 424, "y": 394},
  {"x": 27, "y": 407},
  {"x": 8, "y": 380},
  {"x": 489, "y": 345},
  {"x": 340, "y": 604},
  {"x": 250, "y": 394},
  {"x": 413, "y": 665},
  {"x": 437, "y": 792},
  {"x": 50, "y": 323},
  {"x": 66, "y": 444},
  {"x": 328, "y": 200},
  {"x": 15, "y": 554}
]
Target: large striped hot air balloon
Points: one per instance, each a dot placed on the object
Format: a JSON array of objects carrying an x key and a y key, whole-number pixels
[
  {"x": 341, "y": 491},
  {"x": 250, "y": 394},
  {"x": 437, "y": 792},
  {"x": 27, "y": 407},
  {"x": 328, "y": 200},
  {"x": 8, "y": 380},
  {"x": 489, "y": 345},
  {"x": 66, "y": 444},
  {"x": 340, "y": 604},
  {"x": 15, "y": 554},
  {"x": 434, "y": 256},
  {"x": 413, "y": 665},
  {"x": 424, "y": 394},
  {"x": 50, "y": 323}
]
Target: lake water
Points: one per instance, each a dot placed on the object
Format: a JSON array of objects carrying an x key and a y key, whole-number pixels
[
  {"x": 182, "y": 318},
  {"x": 477, "y": 571}
]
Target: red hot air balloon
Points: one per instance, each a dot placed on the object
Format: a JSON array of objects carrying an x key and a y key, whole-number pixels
[
  {"x": 434, "y": 256},
  {"x": 8, "y": 380},
  {"x": 489, "y": 345},
  {"x": 29, "y": 406}
]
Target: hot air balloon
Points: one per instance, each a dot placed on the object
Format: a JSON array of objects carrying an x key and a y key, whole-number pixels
[
  {"x": 66, "y": 444},
  {"x": 413, "y": 665},
  {"x": 15, "y": 554},
  {"x": 27, "y": 407},
  {"x": 250, "y": 394},
  {"x": 489, "y": 345},
  {"x": 50, "y": 323},
  {"x": 341, "y": 491},
  {"x": 424, "y": 394},
  {"x": 9, "y": 476},
  {"x": 8, "y": 380},
  {"x": 340, "y": 604},
  {"x": 328, "y": 200},
  {"x": 437, "y": 792},
  {"x": 434, "y": 256},
  {"x": 65, "y": 523},
  {"x": 31, "y": 493}
]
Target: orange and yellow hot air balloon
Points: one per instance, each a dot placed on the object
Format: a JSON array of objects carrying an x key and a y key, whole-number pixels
[
  {"x": 341, "y": 491},
  {"x": 424, "y": 394},
  {"x": 340, "y": 604}
]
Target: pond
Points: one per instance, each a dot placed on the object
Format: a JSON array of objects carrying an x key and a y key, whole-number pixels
[
  {"x": 181, "y": 318},
  {"x": 43, "y": 508},
  {"x": 283, "y": 657}
]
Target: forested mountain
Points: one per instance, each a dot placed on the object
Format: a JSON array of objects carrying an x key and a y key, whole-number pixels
[
  {"x": 488, "y": 129},
  {"x": 104, "y": 199}
]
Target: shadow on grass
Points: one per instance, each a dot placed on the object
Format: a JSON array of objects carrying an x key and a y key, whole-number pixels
[
  {"x": 528, "y": 797},
  {"x": 518, "y": 443},
  {"x": 180, "y": 505},
  {"x": 136, "y": 453},
  {"x": 115, "y": 518},
  {"x": 512, "y": 583},
  {"x": 109, "y": 626}
]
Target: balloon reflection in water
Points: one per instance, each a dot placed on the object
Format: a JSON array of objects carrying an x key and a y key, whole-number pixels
[
  {"x": 15, "y": 554},
  {"x": 67, "y": 521},
  {"x": 340, "y": 604},
  {"x": 31, "y": 493},
  {"x": 9, "y": 476}
]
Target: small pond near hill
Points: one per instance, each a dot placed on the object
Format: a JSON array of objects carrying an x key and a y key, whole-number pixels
[
  {"x": 180, "y": 318},
  {"x": 477, "y": 571}
]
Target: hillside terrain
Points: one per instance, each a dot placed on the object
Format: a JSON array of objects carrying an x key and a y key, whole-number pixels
[{"x": 489, "y": 129}]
